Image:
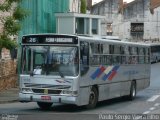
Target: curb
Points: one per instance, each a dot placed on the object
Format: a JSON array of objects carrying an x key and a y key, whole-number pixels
[
  {"x": 11, "y": 101},
  {"x": 9, "y": 96}
]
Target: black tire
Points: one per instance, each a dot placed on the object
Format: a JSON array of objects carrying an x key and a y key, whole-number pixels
[
  {"x": 93, "y": 98},
  {"x": 44, "y": 105},
  {"x": 133, "y": 91}
]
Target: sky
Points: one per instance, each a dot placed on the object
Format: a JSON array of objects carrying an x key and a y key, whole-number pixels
[{"x": 96, "y": 1}]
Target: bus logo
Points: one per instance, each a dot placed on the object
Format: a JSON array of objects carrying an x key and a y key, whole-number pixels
[{"x": 109, "y": 72}]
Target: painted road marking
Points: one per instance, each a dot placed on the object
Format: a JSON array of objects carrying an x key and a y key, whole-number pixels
[
  {"x": 153, "y": 98},
  {"x": 153, "y": 108},
  {"x": 146, "y": 112},
  {"x": 157, "y": 104}
]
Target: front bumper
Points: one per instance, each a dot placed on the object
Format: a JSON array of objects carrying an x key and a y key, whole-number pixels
[{"x": 26, "y": 97}]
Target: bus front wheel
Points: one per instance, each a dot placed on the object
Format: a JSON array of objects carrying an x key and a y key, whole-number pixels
[
  {"x": 93, "y": 98},
  {"x": 44, "y": 105},
  {"x": 132, "y": 91}
]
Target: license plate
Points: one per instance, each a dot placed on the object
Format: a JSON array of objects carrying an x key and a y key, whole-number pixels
[{"x": 46, "y": 98}]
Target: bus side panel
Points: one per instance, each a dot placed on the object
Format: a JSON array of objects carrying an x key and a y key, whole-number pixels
[
  {"x": 125, "y": 88},
  {"x": 84, "y": 88},
  {"x": 83, "y": 97},
  {"x": 117, "y": 84},
  {"x": 148, "y": 75},
  {"x": 104, "y": 92}
]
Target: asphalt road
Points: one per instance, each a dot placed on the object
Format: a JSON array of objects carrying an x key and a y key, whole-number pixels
[{"x": 146, "y": 102}]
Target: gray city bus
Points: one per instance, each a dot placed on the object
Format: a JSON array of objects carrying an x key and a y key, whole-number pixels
[{"x": 81, "y": 70}]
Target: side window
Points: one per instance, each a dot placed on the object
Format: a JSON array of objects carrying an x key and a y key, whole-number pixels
[
  {"x": 134, "y": 55},
  {"x": 147, "y": 55},
  {"x": 107, "y": 58},
  {"x": 116, "y": 55},
  {"x": 111, "y": 49},
  {"x": 106, "y": 49},
  {"x": 141, "y": 55},
  {"x": 84, "y": 57},
  {"x": 127, "y": 54},
  {"x": 96, "y": 51},
  {"x": 123, "y": 57}
]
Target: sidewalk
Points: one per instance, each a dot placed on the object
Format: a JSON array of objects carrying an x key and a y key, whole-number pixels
[{"x": 10, "y": 95}]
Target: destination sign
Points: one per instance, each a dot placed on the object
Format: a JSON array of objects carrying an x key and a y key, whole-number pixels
[
  {"x": 51, "y": 39},
  {"x": 59, "y": 40}
]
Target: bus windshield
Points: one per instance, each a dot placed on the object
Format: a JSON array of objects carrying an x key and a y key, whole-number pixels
[{"x": 50, "y": 60}]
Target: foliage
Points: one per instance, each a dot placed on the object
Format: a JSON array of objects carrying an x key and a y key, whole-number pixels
[
  {"x": 83, "y": 6},
  {"x": 11, "y": 22},
  {"x": 6, "y": 42}
]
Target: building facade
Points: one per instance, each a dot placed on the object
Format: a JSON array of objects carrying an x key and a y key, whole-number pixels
[
  {"x": 136, "y": 21},
  {"x": 79, "y": 24},
  {"x": 110, "y": 9}
]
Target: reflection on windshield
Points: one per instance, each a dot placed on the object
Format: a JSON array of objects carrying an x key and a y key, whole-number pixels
[{"x": 50, "y": 60}]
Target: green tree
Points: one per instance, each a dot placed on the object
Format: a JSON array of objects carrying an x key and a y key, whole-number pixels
[
  {"x": 12, "y": 15},
  {"x": 83, "y": 6}
]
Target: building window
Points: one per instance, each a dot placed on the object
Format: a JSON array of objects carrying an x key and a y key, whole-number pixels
[
  {"x": 94, "y": 26},
  {"x": 109, "y": 28},
  {"x": 82, "y": 26}
]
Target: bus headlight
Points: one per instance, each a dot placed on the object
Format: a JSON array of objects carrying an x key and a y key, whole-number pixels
[
  {"x": 68, "y": 92},
  {"x": 26, "y": 90}
]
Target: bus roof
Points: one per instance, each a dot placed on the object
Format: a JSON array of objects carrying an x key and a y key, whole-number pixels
[
  {"x": 112, "y": 41},
  {"x": 153, "y": 44},
  {"x": 109, "y": 39}
]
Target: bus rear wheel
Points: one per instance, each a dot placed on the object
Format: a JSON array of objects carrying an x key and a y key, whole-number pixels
[
  {"x": 44, "y": 105},
  {"x": 132, "y": 91},
  {"x": 93, "y": 98}
]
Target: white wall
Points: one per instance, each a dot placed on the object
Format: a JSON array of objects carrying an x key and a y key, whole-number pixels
[
  {"x": 66, "y": 25},
  {"x": 152, "y": 24}
]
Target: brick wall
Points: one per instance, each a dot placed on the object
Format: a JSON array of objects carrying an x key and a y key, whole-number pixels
[
  {"x": 8, "y": 76},
  {"x": 5, "y": 54}
]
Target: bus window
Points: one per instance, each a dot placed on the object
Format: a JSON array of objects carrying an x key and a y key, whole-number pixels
[
  {"x": 127, "y": 55},
  {"x": 141, "y": 55},
  {"x": 147, "y": 55},
  {"x": 27, "y": 60},
  {"x": 84, "y": 57},
  {"x": 50, "y": 60},
  {"x": 106, "y": 49},
  {"x": 97, "y": 48},
  {"x": 122, "y": 56},
  {"x": 111, "y": 49},
  {"x": 134, "y": 55},
  {"x": 117, "y": 49},
  {"x": 116, "y": 55}
]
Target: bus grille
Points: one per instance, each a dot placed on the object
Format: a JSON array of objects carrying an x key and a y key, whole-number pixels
[
  {"x": 47, "y": 86},
  {"x": 42, "y": 91}
]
